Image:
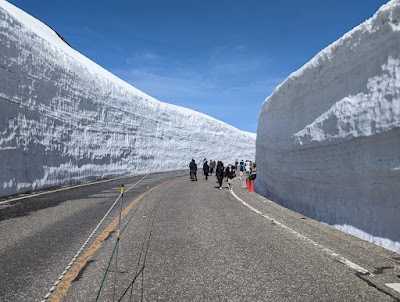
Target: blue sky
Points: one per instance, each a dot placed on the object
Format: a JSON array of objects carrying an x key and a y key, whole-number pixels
[{"x": 219, "y": 57}]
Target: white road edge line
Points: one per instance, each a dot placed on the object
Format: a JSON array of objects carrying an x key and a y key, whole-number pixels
[{"x": 337, "y": 257}]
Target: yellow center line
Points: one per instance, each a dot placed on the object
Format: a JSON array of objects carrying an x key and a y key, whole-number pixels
[{"x": 66, "y": 282}]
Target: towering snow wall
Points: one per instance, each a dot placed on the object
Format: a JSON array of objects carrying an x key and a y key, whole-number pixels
[
  {"x": 65, "y": 119},
  {"x": 328, "y": 138}
]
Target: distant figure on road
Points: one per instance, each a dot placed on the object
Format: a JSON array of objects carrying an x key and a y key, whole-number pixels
[
  {"x": 230, "y": 174},
  {"x": 226, "y": 173},
  {"x": 219, "y": 172},
  {"x": 247, "y": 167},
  {"x": 206, "y": 170},
  {"x": 193, "y": 170},
  {"x": 212, "y": 166},
  {"x": 241, "y": 169}
]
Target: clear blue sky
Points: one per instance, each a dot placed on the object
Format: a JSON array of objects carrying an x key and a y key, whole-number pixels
[{"x": 219, "y": 57}]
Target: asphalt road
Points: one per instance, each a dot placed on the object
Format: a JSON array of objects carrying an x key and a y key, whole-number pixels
[
  {"x": 185, "y": 241},
  {"x": 40, "y": 234}
]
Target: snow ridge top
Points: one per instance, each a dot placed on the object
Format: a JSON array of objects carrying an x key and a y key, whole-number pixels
[{"x": 51, "y": 37}]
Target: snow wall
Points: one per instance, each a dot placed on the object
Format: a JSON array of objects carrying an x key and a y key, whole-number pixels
[
  {"x": 64, "y": 119},
  {"x": 328, "y": 138}
]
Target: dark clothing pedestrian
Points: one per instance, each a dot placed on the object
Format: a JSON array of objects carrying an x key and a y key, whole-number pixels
[
  {"x": 193, "y": 170},
  {"x": 230, "y": 172},
  {"x": 230, "y": 175},
  {"x": 219, "y": 172},
  {"x": 206, "y": 170},
  {"x": 226, "y": 173}
]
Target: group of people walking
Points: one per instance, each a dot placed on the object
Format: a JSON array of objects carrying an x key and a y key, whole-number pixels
[
  {"x": 247, "y": 167},
  {"x": 220, "y": 171}
]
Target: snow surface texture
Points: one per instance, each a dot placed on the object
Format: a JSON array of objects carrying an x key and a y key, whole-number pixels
[
  {"x": 328, "y": 138},
  {"x": 64, "y": 119}
]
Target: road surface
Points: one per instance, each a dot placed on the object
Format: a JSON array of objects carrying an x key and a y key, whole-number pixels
[{"x": 183, "y": 241}]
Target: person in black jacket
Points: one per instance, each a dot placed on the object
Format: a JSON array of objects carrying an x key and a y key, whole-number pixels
[
  {"x": 219, "y": 172},
  {"x": 226, "y": 173},
  {"x": 193, "y": 170},
  {"x": 230, "y": 174},
  {"x": 206, "y": 170}
]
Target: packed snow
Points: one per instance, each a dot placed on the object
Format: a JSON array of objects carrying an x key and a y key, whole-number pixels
[
  {"x": 65, "y": 119},
  {"x": 328, "y": 138}
]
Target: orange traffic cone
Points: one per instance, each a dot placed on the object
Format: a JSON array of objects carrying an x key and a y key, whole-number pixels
[{"x": 251, "y": 186}]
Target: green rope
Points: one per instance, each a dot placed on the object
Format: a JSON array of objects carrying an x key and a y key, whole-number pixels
[
  {"x": 115, "y": 248},
  {"x": 106, "y": 272}
]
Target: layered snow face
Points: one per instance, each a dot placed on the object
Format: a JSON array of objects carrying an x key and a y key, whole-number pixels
[
  {"x": 64, "y": 119},
  {"x": 328, "y": 138}
]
